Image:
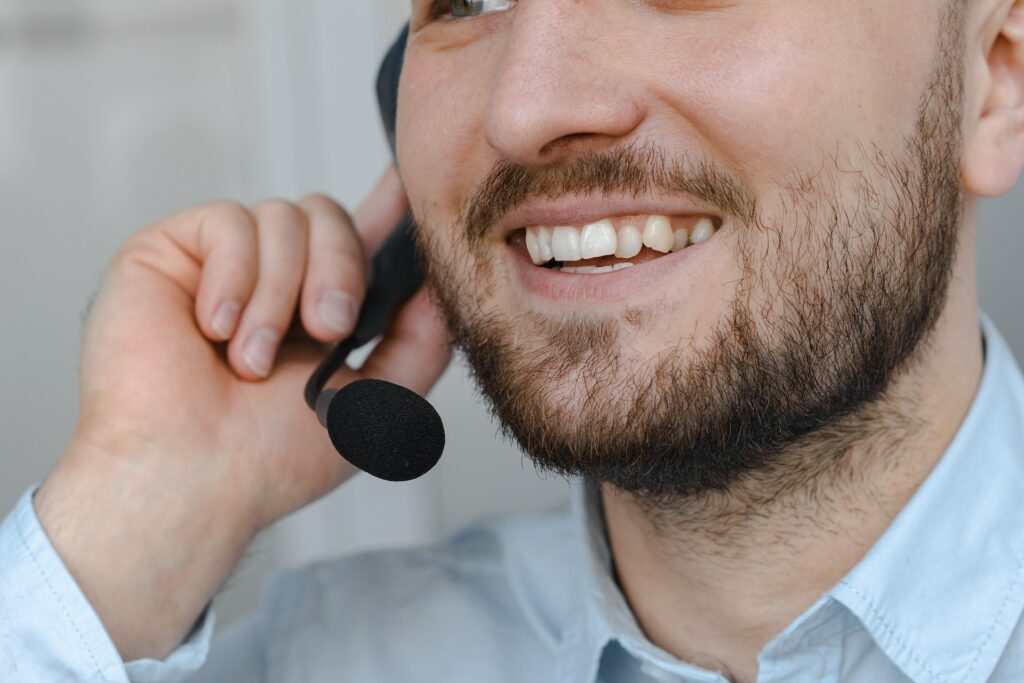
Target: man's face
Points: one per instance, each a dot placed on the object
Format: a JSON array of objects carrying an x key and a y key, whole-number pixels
[{"x": 818, "y": 141}]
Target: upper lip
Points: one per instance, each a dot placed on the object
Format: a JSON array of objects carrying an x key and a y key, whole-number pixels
[{"x": 584, "y": 209}]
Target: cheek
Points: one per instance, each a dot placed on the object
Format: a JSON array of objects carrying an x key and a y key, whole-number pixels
[
  {"x": 436, "y": 129},
  {"x": 780, "y": 93}
]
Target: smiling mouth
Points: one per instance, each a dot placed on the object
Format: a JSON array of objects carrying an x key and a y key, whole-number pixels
[{"x": 614, "y": 244}]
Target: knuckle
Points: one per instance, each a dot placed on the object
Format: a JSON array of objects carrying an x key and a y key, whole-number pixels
[
  {"x": 227, "y": 213},
  {"x": 322, "y": 203},
  {"x": 142, "y": 247},
  {"x": 320, "y": 200},
  {"x": 283, "y": 214}
]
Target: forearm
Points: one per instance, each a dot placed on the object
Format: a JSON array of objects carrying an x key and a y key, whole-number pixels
[{"x": 148, "y": 546}]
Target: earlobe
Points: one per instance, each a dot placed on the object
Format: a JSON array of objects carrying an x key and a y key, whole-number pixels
[
  {"x": 994, "y": 156},
  {"x": 994, "y": 150}
]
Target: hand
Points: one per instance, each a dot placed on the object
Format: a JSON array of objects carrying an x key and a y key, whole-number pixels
[{"x": 193, "y": 433}]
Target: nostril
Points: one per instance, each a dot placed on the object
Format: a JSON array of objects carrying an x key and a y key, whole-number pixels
[{"x": 576, "y": 143}]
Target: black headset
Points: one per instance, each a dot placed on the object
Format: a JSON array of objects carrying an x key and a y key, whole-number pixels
[{"x": 382, "y": 428}]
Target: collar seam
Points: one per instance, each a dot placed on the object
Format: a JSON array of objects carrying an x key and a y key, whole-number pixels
[
  {"x": 1011, "y": 593},
  {"x": 890, "y": 632}
]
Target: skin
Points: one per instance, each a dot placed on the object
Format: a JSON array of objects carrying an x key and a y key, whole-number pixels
[{"x": 760, "y": 86}]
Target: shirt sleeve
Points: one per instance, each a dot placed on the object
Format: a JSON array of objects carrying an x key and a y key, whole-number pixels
[
  {"x": 48, "y": 629},
  {"x": 238, "y": 654}
]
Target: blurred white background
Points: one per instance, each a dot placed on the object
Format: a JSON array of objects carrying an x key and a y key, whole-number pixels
[{"x": 114, "y": 113}]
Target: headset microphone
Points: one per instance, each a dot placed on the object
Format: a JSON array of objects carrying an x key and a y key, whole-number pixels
[{"x": 385, "y": 430}]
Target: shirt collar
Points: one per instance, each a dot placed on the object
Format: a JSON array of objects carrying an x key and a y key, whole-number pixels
[
  {"x": 941, "y": 590},
  {"x": 601, "y": 615}
]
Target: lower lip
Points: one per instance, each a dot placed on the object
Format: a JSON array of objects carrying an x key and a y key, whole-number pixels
[{"x": 554, "y": 285}]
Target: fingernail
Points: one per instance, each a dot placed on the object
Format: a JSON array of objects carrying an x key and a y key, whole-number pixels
[
  {"x": 260, "y": 351},
  {"x": 338, "y": 311},
  {"x": 225, "y": 319}
]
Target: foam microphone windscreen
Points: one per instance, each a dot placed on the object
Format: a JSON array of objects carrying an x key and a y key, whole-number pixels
[{"x": 385, "y": 430}]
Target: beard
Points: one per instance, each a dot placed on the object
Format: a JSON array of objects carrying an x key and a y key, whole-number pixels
[{"x": 842, "y": 283}]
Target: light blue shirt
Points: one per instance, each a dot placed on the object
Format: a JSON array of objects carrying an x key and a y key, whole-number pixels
[{"x": 530, "y": 599}]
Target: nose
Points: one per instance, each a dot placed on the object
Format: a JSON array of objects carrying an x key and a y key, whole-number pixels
[{"x": 560, "y": 89}]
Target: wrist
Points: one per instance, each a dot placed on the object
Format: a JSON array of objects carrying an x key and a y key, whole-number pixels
[{"x": 149, "y": 542}]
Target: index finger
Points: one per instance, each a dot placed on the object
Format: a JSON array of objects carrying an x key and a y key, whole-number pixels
[{"x": 381, "y": 211}]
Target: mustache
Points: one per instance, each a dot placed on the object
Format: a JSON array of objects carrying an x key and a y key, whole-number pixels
[{"x": 631, "y": 170}]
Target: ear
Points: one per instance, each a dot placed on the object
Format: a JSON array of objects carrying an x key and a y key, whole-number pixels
[{"x": 994, "y": 152}]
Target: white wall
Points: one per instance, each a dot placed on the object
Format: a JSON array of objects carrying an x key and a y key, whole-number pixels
[{"x": 117, "y": 112}]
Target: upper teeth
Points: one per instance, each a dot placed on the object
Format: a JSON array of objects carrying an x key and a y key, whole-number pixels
[
  {"x": 598, "y": 239},
  {"x": 658, "y": 234},
  {"x": 565, "y": 244},
  {"x": 629, "y": 241},
  {"x": 604, "y": 238},
  {"x": 703, "y": 230}
]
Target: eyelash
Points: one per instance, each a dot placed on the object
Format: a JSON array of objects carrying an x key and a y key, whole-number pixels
[{"x": 441, "y": 9}]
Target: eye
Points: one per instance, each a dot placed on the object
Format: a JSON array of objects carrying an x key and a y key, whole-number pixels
[{"x": 475, "y": 8}]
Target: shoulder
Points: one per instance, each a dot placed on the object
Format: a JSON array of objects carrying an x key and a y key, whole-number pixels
[
  {"x": 496, "y": 558},
  {"x": 499, "y": 586}
]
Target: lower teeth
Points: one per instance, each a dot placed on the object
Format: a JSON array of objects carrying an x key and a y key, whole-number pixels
[{"x": 595, "y": 270}]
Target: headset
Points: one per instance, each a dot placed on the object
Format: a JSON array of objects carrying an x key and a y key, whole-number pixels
[{"x": 384, "y": 429}]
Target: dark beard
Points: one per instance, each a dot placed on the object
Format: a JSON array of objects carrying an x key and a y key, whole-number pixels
[{"x": 854, "y": 286}]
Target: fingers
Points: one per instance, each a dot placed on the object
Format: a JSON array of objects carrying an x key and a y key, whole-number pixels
[
  {"x": 340, "y": 250},
  {"x": 381, "y": 211},
  {"x": 335, "y": 282},
  {"x": 282, "y": 234},
  {"x": 250, "y": 269},
  {"x": 225, "y": 244},
  {"x": 263, "y": 263},
  {"x": 415, "y": 349}
]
